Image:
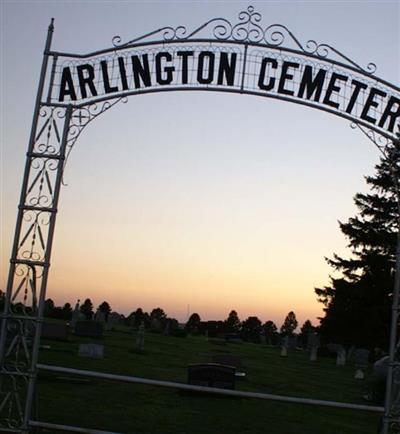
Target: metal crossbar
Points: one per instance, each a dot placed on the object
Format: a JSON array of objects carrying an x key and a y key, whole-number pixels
[
  {"x": 37, "y": 424},
  {"x": 214, "y": 390}
]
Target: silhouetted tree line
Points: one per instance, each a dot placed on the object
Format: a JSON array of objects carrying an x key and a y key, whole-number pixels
[
  {"x": 65, "y": 312},
  {"x": 57, "y": 312},
  {"x": 251, "y": 329},
  {"x": 157, "y": 321}
]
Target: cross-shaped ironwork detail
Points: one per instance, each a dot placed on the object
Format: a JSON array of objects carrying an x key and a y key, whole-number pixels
[{"x": 80, "y": 117}]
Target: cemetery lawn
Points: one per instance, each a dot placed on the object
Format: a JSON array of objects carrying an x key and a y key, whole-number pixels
[{"x": 139, "y": 409}]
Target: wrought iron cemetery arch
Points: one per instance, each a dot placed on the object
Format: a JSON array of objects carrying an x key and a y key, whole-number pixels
[{"x": 74, "y": 89}]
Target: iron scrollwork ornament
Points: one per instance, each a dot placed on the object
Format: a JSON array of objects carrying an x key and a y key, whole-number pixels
[{"x": 249, "y": 30}]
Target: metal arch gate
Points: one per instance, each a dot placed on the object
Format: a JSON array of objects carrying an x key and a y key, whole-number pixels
[{"x": 74, "y": 89}]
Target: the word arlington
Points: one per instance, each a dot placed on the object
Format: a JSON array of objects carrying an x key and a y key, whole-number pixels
[{"x": 338, "y": 91}]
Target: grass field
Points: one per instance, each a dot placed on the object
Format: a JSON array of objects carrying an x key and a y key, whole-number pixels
[{"x": 138, "y": 409}]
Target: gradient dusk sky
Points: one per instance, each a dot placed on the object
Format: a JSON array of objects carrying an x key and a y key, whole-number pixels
[{"x": 202, "y": 199}]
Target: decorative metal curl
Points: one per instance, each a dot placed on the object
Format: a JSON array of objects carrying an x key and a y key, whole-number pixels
[
  {"x": 248, "y": 29},
  {"x": 275, "y": 35},
  {"x": 11, "y": 402},
  {"x": 381, "y": 142},
  {"x": 48, "y": 137},
  {"x": 324, "y": 50}
]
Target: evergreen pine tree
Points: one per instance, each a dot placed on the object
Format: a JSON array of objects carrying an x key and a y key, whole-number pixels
[{"x": 357, "y": 304}]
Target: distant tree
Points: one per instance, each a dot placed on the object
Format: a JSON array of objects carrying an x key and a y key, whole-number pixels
[
  {"x": 158, "y": 313},
  {"x": 232, "y": 323},
  {"x": 158, "y": 319},
  {"x": 67, "y": 311},
  {"x": 193, "y": 324},
  {"x": 172, "y": 324},
  {"x": 251, "y": 329},
  {"x": 105, "y": 308},
  {"x": 289, "y": 325},
  {"x": 146, "y": 319},
  {"x": 58, "y": 313},
  {"x": 271, "y": 332},
  {"x": 138, "y": 317},
  {"x": 87, "y": 309},
  {"x": 48, "y": 308}
]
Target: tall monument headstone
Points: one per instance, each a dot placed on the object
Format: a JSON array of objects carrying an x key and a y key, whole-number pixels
[
  {"x": 140, "y": 338},
  {"x": 75, "y": 315}
]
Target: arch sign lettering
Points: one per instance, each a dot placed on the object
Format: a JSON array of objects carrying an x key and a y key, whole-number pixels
[{"x": 245, "y": 58}]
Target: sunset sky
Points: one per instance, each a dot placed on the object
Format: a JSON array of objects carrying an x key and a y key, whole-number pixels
[{"x": 204, "y": 200}]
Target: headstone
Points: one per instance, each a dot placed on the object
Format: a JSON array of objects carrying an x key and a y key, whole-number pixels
[
  {"x": 155, "y": 325},
  {"x": 166, "y": 331},
  {"x": 91, "y": 329},
  {"x": 341, "y": 357},
  {"x": 333, "y": 348},
  {"x": 378, "y": 383},
  {"x": 115, "y": 317},
  {"x": 233, "y": 338},
  {"x": 381, "y": 367},
  {"x": 292, "y": 342},
  {"x": 361, "y": 358},
  {"x": 75, "y": 315},
  {"x": 212, "y": 375},
  {"x": 93, "y": 351},
  {"x": 54, "y": 331},
  {"x": 217, "y": 341},
  {"x": 112, "y": 319},
  {"x": 359, "y": 375},
  {"x": 313, "y": 341},
  {"x": 132, "y": 322},
  {"x": 212, "y": 328},
  {"x": 350, "y": 353},
  {"x": 99, "y": 316},
  {"x": 313, "y": 354},
  {"x": 109, "y": 324},
  {"x": 284, "y": 346},
  {"x": 140, "y": 338}
]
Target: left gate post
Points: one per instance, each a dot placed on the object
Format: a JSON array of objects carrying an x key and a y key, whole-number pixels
[{"x": 30, "y": 258}]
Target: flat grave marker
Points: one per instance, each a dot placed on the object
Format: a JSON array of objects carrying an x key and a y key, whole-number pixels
[
  {"x": 92, "y": 351},
  {"x": 91, "y": 329},
  {"x": 54, "y": 331},
  {"x": 212, "y": 375}
]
